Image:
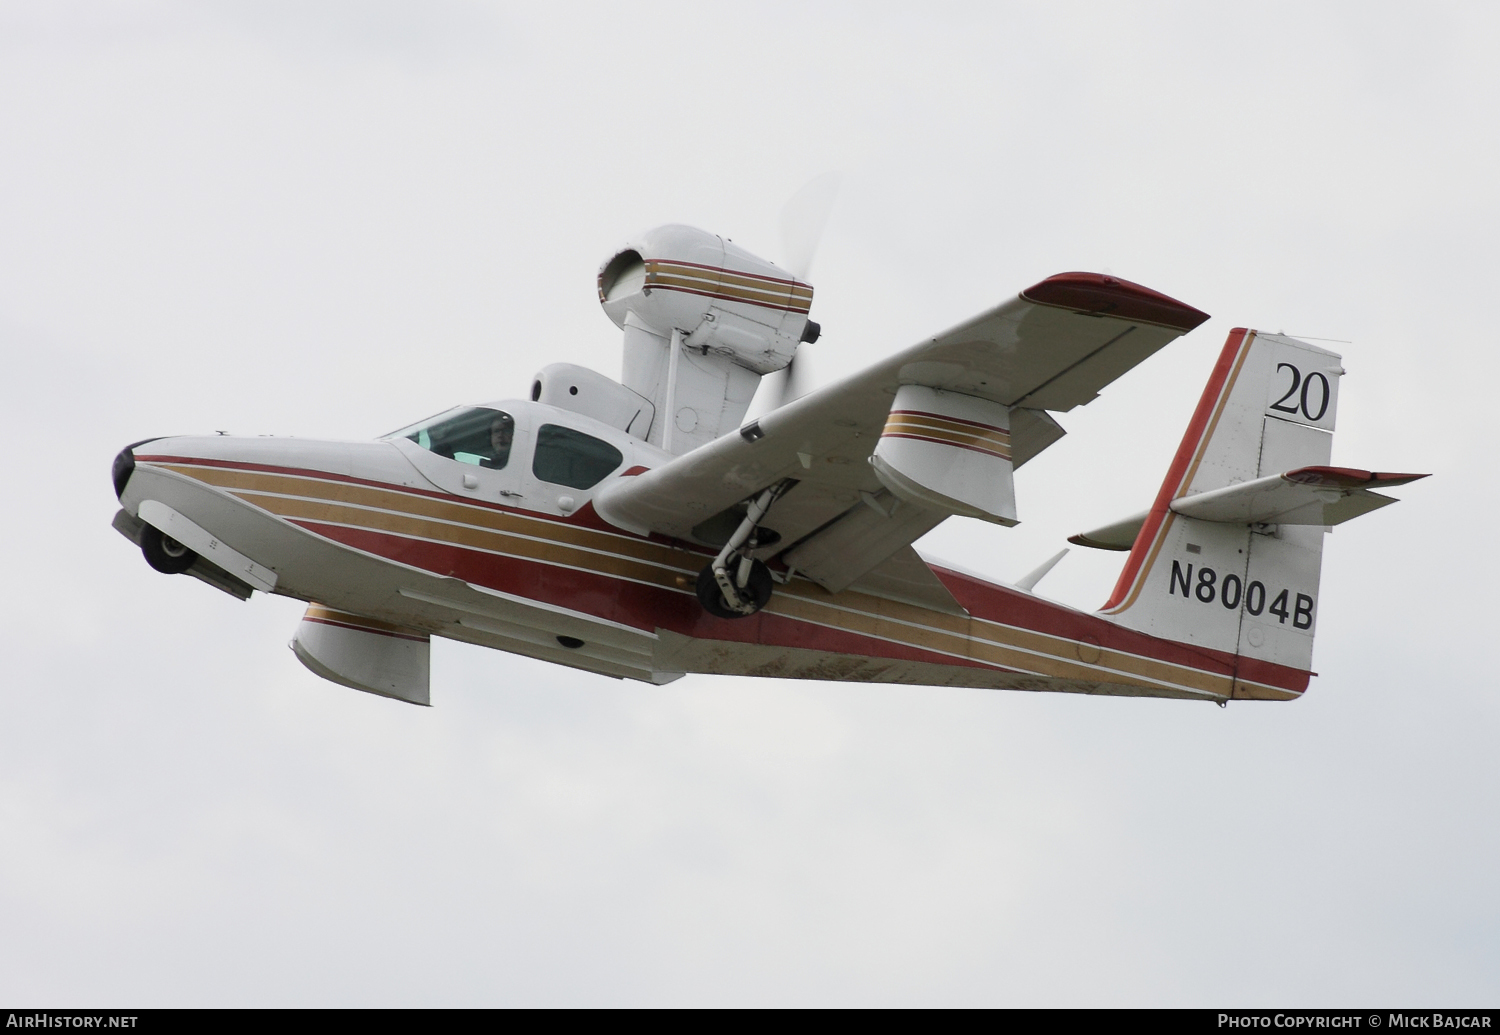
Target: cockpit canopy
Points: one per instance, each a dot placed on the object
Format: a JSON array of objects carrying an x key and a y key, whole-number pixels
[
  {"x": 483, "y": 436},
  {"x": 468, "y": 434}
]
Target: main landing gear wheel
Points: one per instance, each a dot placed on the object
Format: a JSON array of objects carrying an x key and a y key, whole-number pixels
[
  {"x": 164, "y": 553},
  {"x": 756, "y": 591}
]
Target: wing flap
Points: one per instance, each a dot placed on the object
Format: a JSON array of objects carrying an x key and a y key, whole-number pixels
[
  {"x": 906, "y": 577},
  {"x": 859, "y": 541}
]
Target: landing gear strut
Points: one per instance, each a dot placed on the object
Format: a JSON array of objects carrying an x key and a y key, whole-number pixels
[
  {"x": 734, "y": 584},
  {"x": 752, "y": 594}
]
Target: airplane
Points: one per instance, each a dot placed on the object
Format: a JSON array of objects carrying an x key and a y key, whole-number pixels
[{"x": 643, "y": 529}]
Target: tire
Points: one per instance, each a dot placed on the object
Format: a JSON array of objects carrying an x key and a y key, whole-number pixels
[
  {"x": 164, "y": 553},
  {"x": 758, "y": 589}
]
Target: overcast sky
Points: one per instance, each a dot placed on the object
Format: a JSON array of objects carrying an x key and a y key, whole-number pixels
[{"x": 333, "y": 219}]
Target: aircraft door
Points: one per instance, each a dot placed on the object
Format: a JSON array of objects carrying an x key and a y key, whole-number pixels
[{"x": 566, "y": 465}]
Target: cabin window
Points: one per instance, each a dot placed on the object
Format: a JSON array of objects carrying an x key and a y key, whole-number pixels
[
  {"x": 568, "y": 457},
  {"x": 471, "y": 435}
]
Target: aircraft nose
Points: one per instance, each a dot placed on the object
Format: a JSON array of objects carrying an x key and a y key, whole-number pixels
[{"x": 124, "y": 465}]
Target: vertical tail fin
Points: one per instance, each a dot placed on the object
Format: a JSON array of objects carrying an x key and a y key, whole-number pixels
[{"x": 1248, "y": 589}]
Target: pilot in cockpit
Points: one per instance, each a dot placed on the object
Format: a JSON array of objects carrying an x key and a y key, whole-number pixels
[{"x": 502, "y": 432}]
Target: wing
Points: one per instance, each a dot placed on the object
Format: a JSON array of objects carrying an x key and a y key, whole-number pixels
[{"x": 1053, "y": 347}]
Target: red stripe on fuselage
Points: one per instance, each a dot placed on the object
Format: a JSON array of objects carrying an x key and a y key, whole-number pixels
[
  {"x": 633, "y": 604},
  {"x": 648, "y": 607},
  {"x": 1006, "y": 606}
]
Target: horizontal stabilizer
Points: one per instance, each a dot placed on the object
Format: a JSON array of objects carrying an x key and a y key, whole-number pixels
[
  {"x": 1118, "y": 536},
  {"x": 1307, "y": 496}
]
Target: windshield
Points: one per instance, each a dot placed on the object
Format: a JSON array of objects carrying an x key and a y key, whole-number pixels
[{"x": 469, "y": 434}]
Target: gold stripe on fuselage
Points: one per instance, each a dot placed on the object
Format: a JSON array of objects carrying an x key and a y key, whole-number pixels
[
  {"x": 622, "y": 556},
  {"x": 379, "y": 509}
]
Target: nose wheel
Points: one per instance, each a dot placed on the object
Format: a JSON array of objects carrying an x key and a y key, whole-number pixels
[{"x": 164, "y": 553}]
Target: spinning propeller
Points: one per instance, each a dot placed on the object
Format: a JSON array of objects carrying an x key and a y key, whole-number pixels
[{"x": 803, "y": 219}]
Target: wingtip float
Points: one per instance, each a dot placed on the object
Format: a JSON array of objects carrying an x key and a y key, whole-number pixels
[{"x": 640, "y": 529}]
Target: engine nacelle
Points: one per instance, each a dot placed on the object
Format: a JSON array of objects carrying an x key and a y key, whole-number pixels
[
  {"x": 735, "y": 318},
  {"x": 724, "y": 300}
]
